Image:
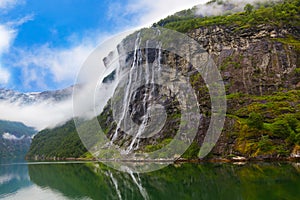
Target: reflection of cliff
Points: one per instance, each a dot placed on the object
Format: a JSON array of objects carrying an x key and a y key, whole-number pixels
[
  {"x": 73, "y": 180},
  {"x": 80, "y": 180},
  {"x": 13, "y": 178},
  {"x": 188, "y": 181}
]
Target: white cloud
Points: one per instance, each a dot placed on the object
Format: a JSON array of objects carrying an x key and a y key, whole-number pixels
[
  {"x": 215, "y": 9},
  {"x": 146, "y": 12},
  {"x": 7, "y": 4},
  {"x": 6, "y": 178},
  {"x": 9, "y": 136},
  {"x": 40, "y": 115},
  {"x": 20, "y": 21},
  {"x": 4, "y": 76},
  {"x": 60, "y": 64},
  {"x": 7, "y": 35}
]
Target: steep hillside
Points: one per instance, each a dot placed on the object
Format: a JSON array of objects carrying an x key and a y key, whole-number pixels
[
  {"x": 61, "y": 142},
  {"x": 257, "y": 53},
  {"x": 15, "y": 139}
]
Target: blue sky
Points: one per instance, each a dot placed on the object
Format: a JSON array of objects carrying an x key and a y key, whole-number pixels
[{"x": 44, "y": 42}]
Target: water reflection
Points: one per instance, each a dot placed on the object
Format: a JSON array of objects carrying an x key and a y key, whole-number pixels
[
  {"x": 13, "y": 178},
  {"x": 185, "y": 181}
]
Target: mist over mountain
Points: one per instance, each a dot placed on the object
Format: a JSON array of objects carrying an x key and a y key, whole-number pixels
[
  {"x": 36, "y": 109},
  {"x": 221, "y": 7}
]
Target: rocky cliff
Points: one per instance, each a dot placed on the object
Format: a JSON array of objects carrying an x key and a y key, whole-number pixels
[{"x": 260, "y": 68}]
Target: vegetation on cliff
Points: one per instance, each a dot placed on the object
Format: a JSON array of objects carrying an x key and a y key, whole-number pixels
[
  {"x": 58, "y": 143},
  {"x": 282, "y": 14}
]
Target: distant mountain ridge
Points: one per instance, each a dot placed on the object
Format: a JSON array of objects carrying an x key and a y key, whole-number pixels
[{"x": 11, "y": 96}]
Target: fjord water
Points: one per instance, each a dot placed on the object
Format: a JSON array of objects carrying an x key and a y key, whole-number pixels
[{"x": 179, "y": 181}]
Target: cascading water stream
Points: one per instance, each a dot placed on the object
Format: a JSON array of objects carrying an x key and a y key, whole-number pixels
[
  {"x": 138, "y": 183},
  {"x": 115, "y": 182},
  {"x": 144, "y": 71},
  {"x": 150, "y": 77},
  {"x": 146, "y": 97},
  {"x": 128, "y": 88}
]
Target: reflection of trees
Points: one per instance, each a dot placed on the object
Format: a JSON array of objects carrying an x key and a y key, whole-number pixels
[{"x": 186, "y": 181}]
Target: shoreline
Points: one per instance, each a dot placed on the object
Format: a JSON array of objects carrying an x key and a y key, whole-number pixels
[{"x": 178, "y": 161}]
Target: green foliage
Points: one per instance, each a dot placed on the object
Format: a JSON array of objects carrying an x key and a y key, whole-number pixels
[
  {"x": 267, "y": 125},
  {"x": 297, "y": 71},
  {"x": 248, "y": 8},
  {"x": 290, "y": 40},
  {"x": 265, "y": 144},
  {"x": 281, "y": 129},
  {"x": 177, "y": 17},
  {"x": 192, "y": 151},
  {"x": 285, "y": 13},
  {"x": 151, "y": 148},
  {"x": 255, "y": 120},
  {"x": 62, "y": 142}
]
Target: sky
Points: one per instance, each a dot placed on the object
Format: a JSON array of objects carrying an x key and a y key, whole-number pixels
[{"x": 44, "y": 43}]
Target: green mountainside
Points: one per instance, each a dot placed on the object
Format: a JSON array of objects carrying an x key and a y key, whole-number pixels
[
  {"x": 258, "y": 54},
  {"x": 60, "y": 142}
]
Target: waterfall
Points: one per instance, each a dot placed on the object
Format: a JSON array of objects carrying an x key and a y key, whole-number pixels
[
  {"x": 137, "y": 181},
  {"x": 116, "y": 185},
  {"x": 126, "y": 99},
  {"x": 139, "y": 72},
  {"x": 145, "y": 109}
]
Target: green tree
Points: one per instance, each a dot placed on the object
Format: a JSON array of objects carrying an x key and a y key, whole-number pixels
[
  {"x": 248, "y": 8},
  {"x": 255, "y": 120},
  {"x": 281, "y": 129}
]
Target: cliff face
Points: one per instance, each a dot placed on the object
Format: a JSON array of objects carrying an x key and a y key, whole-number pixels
[
  {"x": 260, "y": 68},
  {"x": 254, "y": 61}
]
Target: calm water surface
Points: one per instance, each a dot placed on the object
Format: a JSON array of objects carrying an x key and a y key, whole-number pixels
[{"x": 186, "y": 181}]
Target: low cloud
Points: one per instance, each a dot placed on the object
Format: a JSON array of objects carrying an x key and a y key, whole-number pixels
[
  {"x": 221, "y": 7},
  {"x": 146, "y": 12},
  {"x": 8, "y": 136},
  {"x": 40, "y": 116}
]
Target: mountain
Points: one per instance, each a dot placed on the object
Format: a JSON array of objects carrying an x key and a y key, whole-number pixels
[
  {"x": 15, "y": 139},
  {"x": 11, "y": 96},
  {"x": 258, "y": 55},
  {"x": 15, "y": 136}
]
